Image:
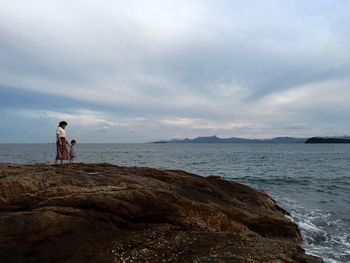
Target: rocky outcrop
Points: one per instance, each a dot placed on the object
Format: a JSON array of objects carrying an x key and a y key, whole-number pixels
[
  {"x": 327, "y": 140},
  {"x": 105, "y": 213}
]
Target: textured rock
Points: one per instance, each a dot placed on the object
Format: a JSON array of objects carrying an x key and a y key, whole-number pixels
[{"x": 105, "y": 213}]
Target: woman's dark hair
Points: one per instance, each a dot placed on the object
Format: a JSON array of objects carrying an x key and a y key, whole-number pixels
[
  {"x": 73, "y": 141},
  {"x": 62, "y": 123}
]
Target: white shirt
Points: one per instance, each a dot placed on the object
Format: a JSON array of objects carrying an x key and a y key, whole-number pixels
[{"x": 61, "y": 132}]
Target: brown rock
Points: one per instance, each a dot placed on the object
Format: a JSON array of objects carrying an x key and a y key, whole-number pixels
[{"x": 105, "y": 213}]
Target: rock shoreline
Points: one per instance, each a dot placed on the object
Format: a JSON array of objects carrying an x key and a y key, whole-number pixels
[{"x": 106, "y": 213}]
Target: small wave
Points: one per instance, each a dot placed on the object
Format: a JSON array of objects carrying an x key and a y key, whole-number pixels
[
  {"x": 331, "y": 183},
  {"x": 309, "y": 227},
  {"x": 275, "y": 180},
  {"x": 324, "y": 234}
]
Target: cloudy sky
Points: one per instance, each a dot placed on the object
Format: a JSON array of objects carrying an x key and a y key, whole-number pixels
[{"x": 137, "y": 71}]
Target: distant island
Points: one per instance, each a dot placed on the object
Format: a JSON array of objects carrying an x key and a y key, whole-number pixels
[
  {"x": 215, "y": 139},
  {"x": 276, "y": 140},
  {"x": 328, "y": 140}
]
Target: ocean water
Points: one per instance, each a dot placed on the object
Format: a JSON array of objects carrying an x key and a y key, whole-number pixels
[{"x": 312, "y": 182}]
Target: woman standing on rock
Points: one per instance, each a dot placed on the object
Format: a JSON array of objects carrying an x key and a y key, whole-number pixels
[{"x": 61, "y": 143}]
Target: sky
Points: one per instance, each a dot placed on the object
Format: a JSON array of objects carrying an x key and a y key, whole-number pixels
[{"x": 139, "y": 71}]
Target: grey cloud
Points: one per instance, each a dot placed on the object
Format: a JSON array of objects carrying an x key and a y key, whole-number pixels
[{"x": 228, "y": 61}]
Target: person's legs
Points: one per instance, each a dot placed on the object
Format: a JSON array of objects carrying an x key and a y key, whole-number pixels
[
  {"x": 58, "y": 152},
  {"x": 58, "y": 161},
  {"x": 62, "y": 152}
]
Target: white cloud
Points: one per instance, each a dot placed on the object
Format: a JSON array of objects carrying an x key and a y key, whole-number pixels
[
  {"x": 79, "y": 117},
  {"x": 331, "y": 96},
  {"x": 208, "y": 124}
]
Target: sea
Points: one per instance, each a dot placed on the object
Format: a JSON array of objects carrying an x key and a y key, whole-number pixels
[{"x": 311, "y": 181}]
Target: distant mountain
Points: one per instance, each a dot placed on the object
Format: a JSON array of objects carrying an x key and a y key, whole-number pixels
[
  {"x": 341, "y": 137},
  {"x": 215, "y": 139},
  {"x": 344, "y": 139}
]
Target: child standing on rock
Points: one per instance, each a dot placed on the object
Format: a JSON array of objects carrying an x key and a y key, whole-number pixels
[{"x": 72, "y": 154}]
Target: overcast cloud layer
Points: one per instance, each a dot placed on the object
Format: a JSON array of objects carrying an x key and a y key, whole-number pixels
[{"x": 134, "y": 71}]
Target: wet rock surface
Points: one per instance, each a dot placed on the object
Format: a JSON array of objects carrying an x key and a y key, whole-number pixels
[{"x": 106, "y": 213}]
